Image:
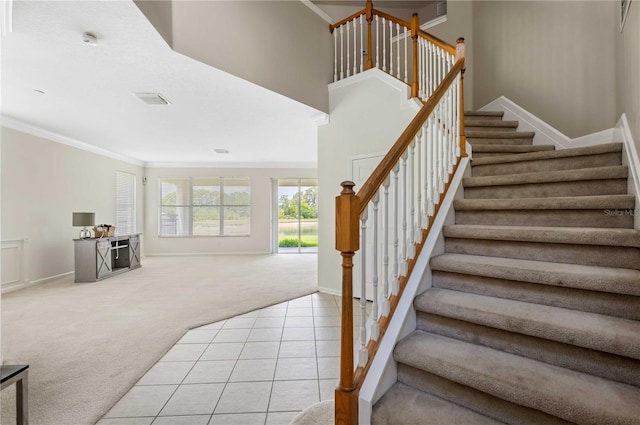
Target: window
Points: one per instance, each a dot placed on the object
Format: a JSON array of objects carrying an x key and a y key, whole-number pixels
[
  {"x": 205, "y": 206},
  {"x": 125, "y": 203}
]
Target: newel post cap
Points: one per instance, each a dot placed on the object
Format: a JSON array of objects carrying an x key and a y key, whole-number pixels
[{"x": 460, "y": 49}]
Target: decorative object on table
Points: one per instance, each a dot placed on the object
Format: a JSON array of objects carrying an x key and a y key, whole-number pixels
[
  {"x": 104, "y": 230},
  {"x": 84, "y": 219}
]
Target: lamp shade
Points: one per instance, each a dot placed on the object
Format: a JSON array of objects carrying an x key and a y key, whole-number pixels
[{"x": 83, "y": 218}]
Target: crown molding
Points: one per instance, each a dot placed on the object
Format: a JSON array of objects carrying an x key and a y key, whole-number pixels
[
  {"x": 251, "y": 165},
  {"x": 28, "y": 128},
  {"x": 318, "y": 11}
]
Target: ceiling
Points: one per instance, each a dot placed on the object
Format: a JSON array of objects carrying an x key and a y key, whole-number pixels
[{"x": 55, "y": 84}]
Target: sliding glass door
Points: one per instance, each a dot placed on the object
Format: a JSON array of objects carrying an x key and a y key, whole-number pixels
[{"x": 297, "y": 214}]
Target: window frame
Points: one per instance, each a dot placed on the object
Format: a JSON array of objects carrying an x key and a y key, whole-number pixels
[{"x": 190, "y": 206}]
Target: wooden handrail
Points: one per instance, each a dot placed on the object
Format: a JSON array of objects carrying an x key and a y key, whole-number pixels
[
  {"x": 347, "y": 19},
  {"x": 391, "y": 18},
  {"x": 373, "y": 183},
  {"x": 435, "y": 40}
]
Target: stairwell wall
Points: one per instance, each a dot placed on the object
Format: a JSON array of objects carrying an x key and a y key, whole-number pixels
[
  {"x": 628, "y": 71},
  {"x": 554, "y": 58}
]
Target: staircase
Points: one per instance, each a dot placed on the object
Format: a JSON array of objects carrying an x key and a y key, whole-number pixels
[{"x": 533, "y": 315}]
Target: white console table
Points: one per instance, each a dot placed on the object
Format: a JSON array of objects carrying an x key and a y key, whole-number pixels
[{"x": 100, "y": 258}]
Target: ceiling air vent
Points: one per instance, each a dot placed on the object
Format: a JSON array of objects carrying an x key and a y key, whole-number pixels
[{"x": 153, "y": 98}]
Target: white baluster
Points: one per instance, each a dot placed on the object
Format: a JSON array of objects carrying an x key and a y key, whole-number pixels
[
  {"x": 385, "y": 307},
  {"x": 355, "y": 48},
  {"x": 347, "y": 50},
  {"x": 363, "y": 354},
  {"x": 442, "y": 156},
  {"x": 362, "y": 43},
  {"x": 395, "y": 283},
  {"x": 411, "y": 247},
  {"x": 398, "y": 51},
  {"x": 390, "y": 47},
  {"x": 341, "y": 52},
  {"x": 377, "y": 42},
  {"x": 406, "y": 57},
  {"x": 404, "y": 265},
  {"x": 384, "y": 44},
  {"x": 425, "y": 143},
  {"x": 420, "y": 69},
  {"x": 374, "y": 331},
  {"x": 418, "y": 223},
  {"x": 457, "y": 124},
  {"x": 335, "y": 56}
]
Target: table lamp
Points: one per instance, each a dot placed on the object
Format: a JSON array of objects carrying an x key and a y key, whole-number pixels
[{"x": 84, "y": 219}]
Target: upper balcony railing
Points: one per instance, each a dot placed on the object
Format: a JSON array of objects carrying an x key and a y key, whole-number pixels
[{"x": 386, "y": 223}]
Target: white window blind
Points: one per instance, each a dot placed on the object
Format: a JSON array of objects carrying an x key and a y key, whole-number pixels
[
  {"x": 125, "y": 203},
  {"x": 217, "y": 206}
]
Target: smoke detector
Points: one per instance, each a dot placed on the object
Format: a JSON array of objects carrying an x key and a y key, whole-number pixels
[{"x": 90, "y": 39}]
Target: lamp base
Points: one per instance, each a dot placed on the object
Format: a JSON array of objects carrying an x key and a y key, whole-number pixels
[{"x": 85, "y": 233}]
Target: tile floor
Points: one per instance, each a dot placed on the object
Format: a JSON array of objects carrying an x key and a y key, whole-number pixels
[{"x": 262, "y": 367}]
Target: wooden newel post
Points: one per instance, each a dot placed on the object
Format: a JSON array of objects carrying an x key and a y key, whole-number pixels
[
  {"x": 460, "y": 54},
  {"x": 347, "y": 242},
  {"x": 369, "y": 16},
  {"x": 415, "y": 26}
]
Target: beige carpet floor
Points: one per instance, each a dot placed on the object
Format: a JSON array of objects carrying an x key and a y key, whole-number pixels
[{"x": 88, "y": 343}]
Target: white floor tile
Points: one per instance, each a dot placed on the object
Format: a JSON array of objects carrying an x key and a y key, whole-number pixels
[
  {"x": 293, "y": 395},
  {"x": 300, "y": 368},
  {"x": 273, "y": 312},
  {"x": 244, "y": 397},
  {"x": 240, "y": 323},
  {"x": 327, "y": 321},
  {"x": 142, "y": 401},
  {"x": 210, "y": 371},
  {"x": 269, "y": 322},
  {"x": 215, "y": 325},
  {"x": 260, "y": 350},
  {"x": 324, "y": 334},
  {"x": 253, "y": 370},
  {"x": 326, "y": 311},
  {"x": 328, "y": 367},
  {"x": 232, "y": 335},
  {"x": 125, "y": 421},
  {"x": 223, "y": 351},
  {"x": 184, "y": 353},
  {"x": 163, "y": 373},
  {"x": 297, "y": 349},
  {"x": 298, "y": 334},
  {"x": 194, "y": 399},
  {"x": 266, "y": 334},
  {"x": 238, "y": 419},
  {"x": 329, "y": 348},
  {"x": 182, "y": 420},
  {"x": 298, "y": 322},
  {"x": 300, "y": 312},
  {"x": 327, "y": 389}
]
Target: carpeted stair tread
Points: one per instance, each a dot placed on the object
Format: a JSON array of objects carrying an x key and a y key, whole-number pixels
[
  {"x": 588, "y": 330},
  {"x": 604, "y": 279},
  {"x": 484, "y": 114},
  {"x": 604, "y": 202},
  {"x": 490, "y": 125},
  {"x": 511, "y": 149},
  {"x": 564, "y": 235},
  {"x": 570, "y": 395},
  {"x": 404, "y": 405},
  {"x": 563, "y": 153},
  {"x": 485, "y": 134},
  {"x": 599, "y": 173}
]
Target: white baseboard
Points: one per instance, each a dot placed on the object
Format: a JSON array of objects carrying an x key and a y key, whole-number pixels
[
  {"x": 545, "y": 133},
  {"x": 11, "y": 288},
  {"x": 382, "y": 373},
  {"x": 330, "y": 291},
  {"x": 200, "y": 254},
  {"x": 622, "y": 134}
]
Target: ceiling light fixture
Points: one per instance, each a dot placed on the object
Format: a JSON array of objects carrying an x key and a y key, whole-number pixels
[
  {"x": 90, "y": 39},
  {"x": 221, "y": 151},
  {"x": 38, "y": 91}
]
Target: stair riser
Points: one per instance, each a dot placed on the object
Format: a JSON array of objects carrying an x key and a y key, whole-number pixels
[
  {"x": 590, "y": 255},
  {"x": 547, "y": 190},
  {"x": 473, "y": 141},
  {"x": 553, "y": 218},
  {"x": 604, "y": 365},
  {"x": 493, "y": 154},
  {"x": 611, "y": 304},
  {"x": 476, "y": 115},
  {"x": 471, "y": 127},
  {"x": 473, "y": 399},
  {"x": 548, "y": 164}
]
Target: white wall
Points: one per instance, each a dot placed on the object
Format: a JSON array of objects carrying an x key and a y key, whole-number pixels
[
  {"x": 279, "y": 45},
  {"x": 556, "y": 59},
  {"x": 261, "y": 211},
  {"x": 43, "y": 182},
  {"x": 628, "y": 70},
  {"x": 367, "y": 117}
]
